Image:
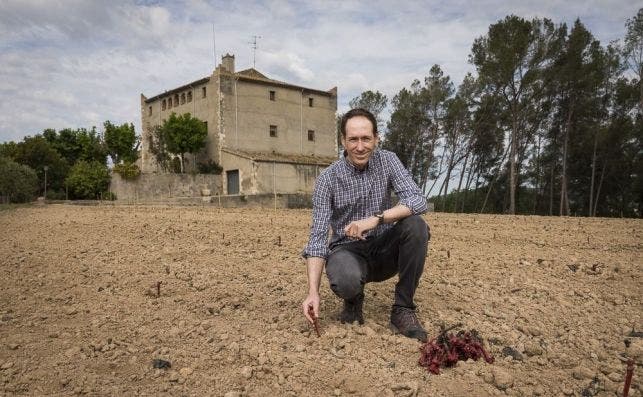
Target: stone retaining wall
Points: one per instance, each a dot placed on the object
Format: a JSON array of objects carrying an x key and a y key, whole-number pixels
[{"x": 159, "y": 187}]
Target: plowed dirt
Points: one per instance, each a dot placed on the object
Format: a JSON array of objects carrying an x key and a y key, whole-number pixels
[{"x": 556, "y": 299}]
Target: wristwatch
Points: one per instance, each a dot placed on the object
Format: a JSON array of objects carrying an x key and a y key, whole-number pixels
[{"x": 380, "y": 217}]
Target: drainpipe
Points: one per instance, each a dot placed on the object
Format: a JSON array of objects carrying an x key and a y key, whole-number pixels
[
  {"x": 236, "y": 115},
  {"x": 301, "y": 122}
]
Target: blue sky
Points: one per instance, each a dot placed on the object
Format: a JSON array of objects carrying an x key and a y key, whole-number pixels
[{"x": 77, "y": 63}]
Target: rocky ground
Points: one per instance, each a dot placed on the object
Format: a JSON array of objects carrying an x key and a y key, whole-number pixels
[{"x": 555, "y": 299}]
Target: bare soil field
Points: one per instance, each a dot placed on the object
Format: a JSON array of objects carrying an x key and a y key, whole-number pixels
[{"x": 557, "y": 301}]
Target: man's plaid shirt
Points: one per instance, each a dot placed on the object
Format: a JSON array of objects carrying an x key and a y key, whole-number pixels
[{"x": 344, "y": 194}]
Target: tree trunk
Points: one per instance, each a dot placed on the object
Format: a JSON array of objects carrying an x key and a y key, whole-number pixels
[
  {"x": 591, "y": 185},
  {"x": 438, "y": 175},
  {"x": 493, "y": 181},
  {"x": 564, "y": 201},
  {"x": 512, "y": 167},
  {"x": 641, "y": 89},
  {"x": 464, "y": 169},
  {"x": 467, "y": 186},
  {"x": 440, "y": 195},
  {"x": 450, "y": 166},
  {"x": 551, "y": 191},
  {"x": 600, "y": 184},
  {"x": 475, "y": 192},
  {"x": 538, "y": 179}
]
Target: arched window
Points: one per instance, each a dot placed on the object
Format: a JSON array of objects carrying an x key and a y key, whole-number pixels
[
  {"x": 182, "y": 98},
  {"x": 169, "y": 103},
  {"x": 189, "y": 96},
  {"x": 176, "y": 99},
  {"x": 163, "y": 105}
]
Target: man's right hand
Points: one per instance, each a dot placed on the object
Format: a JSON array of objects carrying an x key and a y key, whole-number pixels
[{"x": 312, "y": 300}]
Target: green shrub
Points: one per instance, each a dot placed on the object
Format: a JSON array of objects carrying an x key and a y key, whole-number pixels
[
  {"x": 18, "y": 183},
  {"x": 127, "y": 171},
  {"x": 175, "y": 165},
  {"x": 56, "y": 195},
  {"x": 87, "y": 180},
  {"x": 210, "y": 167},
  {"x": 109, "y": 196}
]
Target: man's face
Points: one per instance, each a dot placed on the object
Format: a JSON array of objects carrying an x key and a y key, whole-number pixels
[{"x": 360, "y": 141}]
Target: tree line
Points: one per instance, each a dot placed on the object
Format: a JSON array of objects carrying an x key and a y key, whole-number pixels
[
  {"x": 73, "y": 163},
  {"x": 550, "y": 123},
  {"x": 70, "y": 163}
]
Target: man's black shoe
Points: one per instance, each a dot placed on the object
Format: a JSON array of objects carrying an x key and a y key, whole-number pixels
[
  {"x": 404, "y": 321},
  {"x": 353, "y": 310}
]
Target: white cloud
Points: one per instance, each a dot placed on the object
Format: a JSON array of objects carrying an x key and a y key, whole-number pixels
[{"x": 76, "y": 63}]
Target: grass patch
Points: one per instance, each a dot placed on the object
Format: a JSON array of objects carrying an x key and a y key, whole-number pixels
[{"x": 8, "y": 207}]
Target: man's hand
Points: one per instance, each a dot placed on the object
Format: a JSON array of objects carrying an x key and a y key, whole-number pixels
[
  {"x": 314, "y": 267},
  {"x": 312, "y": 300},
  {"x": 358, "y": 229}
]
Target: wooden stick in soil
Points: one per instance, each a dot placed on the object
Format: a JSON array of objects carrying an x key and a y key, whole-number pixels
[
  {"x": 628, "y": 377},
  {"x": 311, "y": 313}
]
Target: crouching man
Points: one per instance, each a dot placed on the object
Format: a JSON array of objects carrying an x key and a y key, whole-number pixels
[{"x": 371, "y": 241}]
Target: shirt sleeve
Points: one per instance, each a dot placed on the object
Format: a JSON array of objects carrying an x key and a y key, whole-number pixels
[
  {"x": 322, "y": 211},
  {"x": 405, "y": 187}
]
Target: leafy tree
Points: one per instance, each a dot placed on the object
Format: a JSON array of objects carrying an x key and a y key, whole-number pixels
[
  {"x": 158, "y": 147},
  {"x": 78, "y": 144},
  {"x": 407, "y": 132},
  {"x": 88, "y": 180},
  {"x": 374, "y": 102},
  {"x": 509, "y": 61},
  {"x": 18, "y": 183},
  {"x": 127, "y": 171},
  {"x": 633, "y": 50},
  {"x": 8, "y": 149},
  {"x": 183, "y": 134},
  {"x": 37, "y": 153},
  {"x": 435, "y": 93},
  {"x": 121, "y": 142}
]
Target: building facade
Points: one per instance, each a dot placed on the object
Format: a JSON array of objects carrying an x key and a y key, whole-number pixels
[{"x": 268, "y": 136}]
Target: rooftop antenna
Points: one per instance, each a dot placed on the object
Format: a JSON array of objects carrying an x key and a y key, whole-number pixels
[{"x": 254, "y": 50}]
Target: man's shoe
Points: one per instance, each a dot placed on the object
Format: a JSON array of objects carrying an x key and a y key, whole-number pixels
[
  {"x": 353, "y": 310},
  {"x": 404, "y": 321}
]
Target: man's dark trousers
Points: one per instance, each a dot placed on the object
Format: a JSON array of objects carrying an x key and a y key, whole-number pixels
[{"x": 400, "y": 250}]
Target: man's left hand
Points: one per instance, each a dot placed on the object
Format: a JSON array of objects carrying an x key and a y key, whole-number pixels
[{"x": 358, "y": 229}]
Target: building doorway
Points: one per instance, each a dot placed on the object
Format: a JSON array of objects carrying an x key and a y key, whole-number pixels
[{"x": 232, "y": 177}]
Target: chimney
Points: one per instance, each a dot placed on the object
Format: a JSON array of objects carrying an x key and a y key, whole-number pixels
[{"x": 227, "y": 61}]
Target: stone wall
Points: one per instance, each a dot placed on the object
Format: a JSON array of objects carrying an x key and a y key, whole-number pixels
[{"x": 159, "y": 187}]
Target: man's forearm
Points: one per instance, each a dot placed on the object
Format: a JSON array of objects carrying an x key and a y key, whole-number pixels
[
  {"x": 396, "y": 213},
  {"x": 314, "y": 266}
]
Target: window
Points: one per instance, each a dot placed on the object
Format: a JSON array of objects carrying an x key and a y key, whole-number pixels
[
  {"x": 310, "y": 102},
  {"x": 206, "y": 126},
  {"x": 273, "y": 131},
  {"x": 272, "y": 95},
  {"x": 150, "y": 112},
  {"x": 169, "y": 103},
  {"x": 176, "y": 99},
  {"x": 203, "y": 92},
  {"x": 311, "y": 135},
  {"x": 164, "y": 105},
  {"x": 189, "y": 96},
  {"x": 182, "y": 98}
]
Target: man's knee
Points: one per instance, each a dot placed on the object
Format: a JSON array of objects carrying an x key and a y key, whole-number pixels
[
  {"x": 414, "y": 226},
  {"x": 345, "y": 275}
]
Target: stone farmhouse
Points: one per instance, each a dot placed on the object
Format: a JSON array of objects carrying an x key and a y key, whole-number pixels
[{"x": 269, "y": 136}]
